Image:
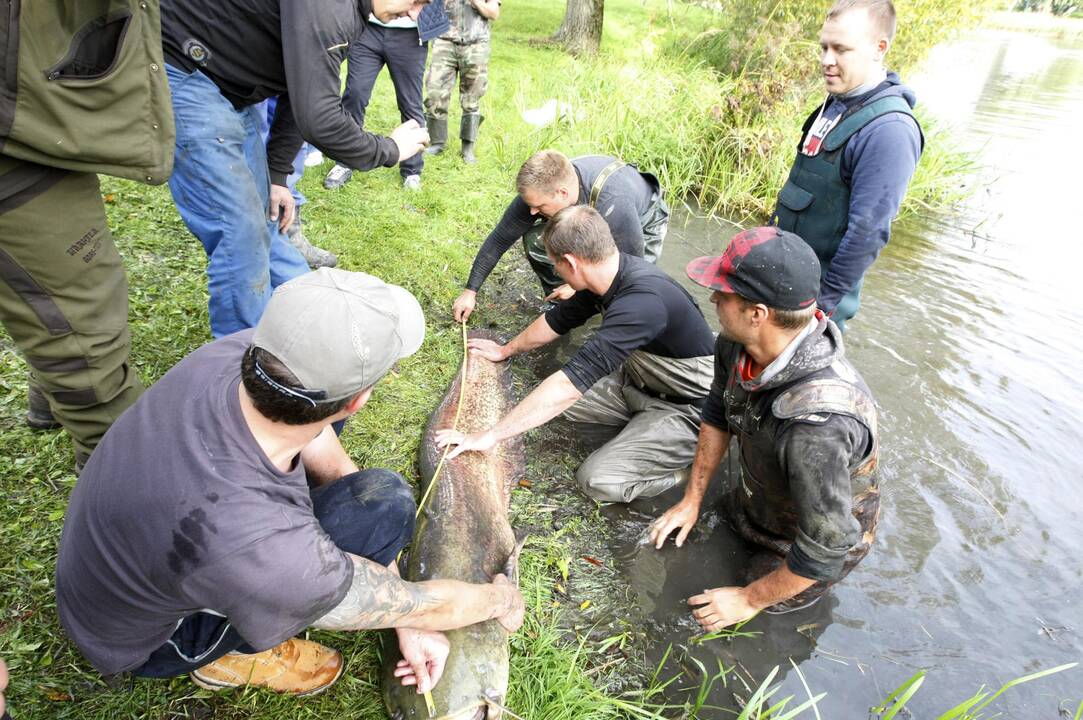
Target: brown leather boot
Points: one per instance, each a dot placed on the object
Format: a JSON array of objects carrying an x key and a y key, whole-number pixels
[{"x": 298, "y": 667}]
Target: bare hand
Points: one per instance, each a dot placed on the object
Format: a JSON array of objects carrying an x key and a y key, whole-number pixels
[
  {"x": 464, "y": 305},
  {"x": 481, "y": 442},
  {"x": 488, "y": 349},
  {"x": 683, "y": 515},
  {"x": 410, "y": 138},
  {"x": 563, "y": 292},
  {"x": 282, "y": 207},
  {"x": 424, "y": 653},
  {"x": 721, "y": 607},
  {"x": 511, "y": 618}
]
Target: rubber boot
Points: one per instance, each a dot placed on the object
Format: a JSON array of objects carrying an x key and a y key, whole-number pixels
[
  {"x": 316, "y": 257},
  {"x": 437, "y": 134},
  {"x": 468, "y": 133},
  {"x": 38, "y": 414}
]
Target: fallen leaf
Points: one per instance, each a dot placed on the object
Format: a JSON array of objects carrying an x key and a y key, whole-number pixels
[
  {"x": 55, "y": 695},
  {"x": 524, "y": 483},
  {"x": 110, "y": 198},
  {"x": 560, "y": 589},
  {"x": 584, "y": 605},
  {"x": 593, "y": 560}
]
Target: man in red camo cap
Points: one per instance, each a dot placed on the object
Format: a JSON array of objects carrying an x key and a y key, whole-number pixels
[{"x": 805, "y": 424}]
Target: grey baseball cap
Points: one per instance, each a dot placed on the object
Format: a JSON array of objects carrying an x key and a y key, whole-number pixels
[{"x": 338, "y": 331}]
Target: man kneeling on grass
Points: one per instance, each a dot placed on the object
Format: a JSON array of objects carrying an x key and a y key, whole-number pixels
[{"x": 220, "y": 515}]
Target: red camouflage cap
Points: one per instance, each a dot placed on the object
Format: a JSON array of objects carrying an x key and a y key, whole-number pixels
[{"x": 765, "y": 265}]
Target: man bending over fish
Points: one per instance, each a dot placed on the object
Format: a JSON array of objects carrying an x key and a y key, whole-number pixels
[
  {"x": 220, "y": 515},
  {"x": 645, "y": 373},
  {"x": 805, "y": 424}
]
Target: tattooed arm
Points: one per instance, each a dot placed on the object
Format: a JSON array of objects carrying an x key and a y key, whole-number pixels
[{"x": 378, "y": 598}]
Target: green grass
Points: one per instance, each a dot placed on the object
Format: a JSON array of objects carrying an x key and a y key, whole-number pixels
[{"x": 646, "y": 98}]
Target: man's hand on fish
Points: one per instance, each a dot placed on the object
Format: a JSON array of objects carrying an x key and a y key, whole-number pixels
[
  {"x": 464, "y": 305},
  {"x": 488, "y": 349},
  {"x": 480, "y": 442},
  {"x": 424, "y": 653},
  {"x": 514, "y": 609},
  {"x": 681, "y": 516},
  {"x": 721, "y": 607}
]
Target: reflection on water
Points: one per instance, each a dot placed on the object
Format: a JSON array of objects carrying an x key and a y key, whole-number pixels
[{"x": 970, "y": 337}]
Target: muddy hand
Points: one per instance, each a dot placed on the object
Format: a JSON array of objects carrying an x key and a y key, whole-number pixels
[
  {"x": 563, "y": 292},
  {"x": 721, "y": 607},
  {"x": 683, "y": 515},
  {"x": 464, "y": 305}
]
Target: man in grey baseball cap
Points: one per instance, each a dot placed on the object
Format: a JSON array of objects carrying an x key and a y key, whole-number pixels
[{"x": 220, "y": 516}]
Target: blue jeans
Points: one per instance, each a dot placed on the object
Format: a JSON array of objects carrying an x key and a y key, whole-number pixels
[
  {"x": 221, "y": 186},
  {"x": 369, "y": 514}
]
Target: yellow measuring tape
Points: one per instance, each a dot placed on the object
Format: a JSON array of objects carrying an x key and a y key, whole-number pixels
[{"x": 429, "y": 704}]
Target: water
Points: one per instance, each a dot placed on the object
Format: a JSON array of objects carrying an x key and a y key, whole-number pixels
[{"x": 970, "y": 337}]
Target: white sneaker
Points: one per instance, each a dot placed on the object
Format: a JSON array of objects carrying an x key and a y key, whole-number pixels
[
  {"x": 412, "y": 182},
  {"x": 314, "y": 158}
]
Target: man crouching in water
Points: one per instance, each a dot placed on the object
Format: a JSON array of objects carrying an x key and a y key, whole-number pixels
[{"x": 806, "y": 430}]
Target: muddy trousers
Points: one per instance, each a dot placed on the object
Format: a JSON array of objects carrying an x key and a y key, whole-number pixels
[
  {"x": 655, "y": 441},
  {"x": 655, "y": 223},
  {"x": 771, "y": 550},
  {"x": 64, "y": 296}
]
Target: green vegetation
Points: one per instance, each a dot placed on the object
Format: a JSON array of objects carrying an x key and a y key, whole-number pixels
[{"x": 653, "y": 96}]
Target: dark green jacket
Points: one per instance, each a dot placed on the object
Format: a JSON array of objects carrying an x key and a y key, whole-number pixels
[{"x": 83, "y": 87}]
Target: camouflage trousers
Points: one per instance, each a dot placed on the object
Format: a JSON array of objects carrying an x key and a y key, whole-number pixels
[{"x": 470, "y": 62}]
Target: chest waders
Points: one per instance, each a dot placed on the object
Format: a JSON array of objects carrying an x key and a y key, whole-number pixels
[
  {"x": 655, "y": 222},
  {"x": 815, "y": 201}
]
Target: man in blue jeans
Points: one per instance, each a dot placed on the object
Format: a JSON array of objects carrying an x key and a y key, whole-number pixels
[
  {"x": 220, "y": 516},
  {"x": 223, "y": 58},
  {"x": 403, "y": 46}
]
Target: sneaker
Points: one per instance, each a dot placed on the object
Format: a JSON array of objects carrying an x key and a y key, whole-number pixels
[
  {"x": 38, "y": 414},
  {"x": 338, "y": 176},
  {"x": 297, "y": 667},
  {"x": 412, "y": 182},
  {"x": 315, "y": 257},
  {"x": 314, "y": 158}
]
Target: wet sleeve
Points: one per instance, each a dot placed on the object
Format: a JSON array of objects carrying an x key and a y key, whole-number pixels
[
  {"x": 573, "y": 312},
  {"x": 815, "y": 456},
  {"x": 619, "y": 212},
  {"x": 315, "y": 38},
  {"x": 515, "y": 221},
  {"x": 277, "y": 586},
  {"x": 881, "y": 159},
  {"x": 714, "y": 410},
  {"x": 629, "y": 324},
  {"x": 283, "y": 142}
]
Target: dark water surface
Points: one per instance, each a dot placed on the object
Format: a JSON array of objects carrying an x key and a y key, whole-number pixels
[{"x": 971, "y": 338}]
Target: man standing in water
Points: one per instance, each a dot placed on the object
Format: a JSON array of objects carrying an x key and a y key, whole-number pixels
[
  {"x": 806, "y": 430},
  {"x": 857, "y": 154}
]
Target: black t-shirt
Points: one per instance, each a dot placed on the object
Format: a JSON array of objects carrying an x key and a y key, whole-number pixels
[
  {"x": 257, "y": 49},
  {"x": 624, "y": 200},
  {"x": 644, "y": 309},
  {"x": 178, "y": 511}
]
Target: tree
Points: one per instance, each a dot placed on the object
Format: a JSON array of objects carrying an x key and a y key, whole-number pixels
[{"x": 581, "y": 31}]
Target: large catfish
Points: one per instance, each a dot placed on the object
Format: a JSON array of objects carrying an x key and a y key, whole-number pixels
[{"x": 463, "y": 534}]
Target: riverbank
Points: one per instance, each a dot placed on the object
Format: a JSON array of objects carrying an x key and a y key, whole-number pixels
[{"x": 642, "y": 99}]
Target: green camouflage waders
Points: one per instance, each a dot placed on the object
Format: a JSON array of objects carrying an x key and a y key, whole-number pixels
[
  {"x": 85, "y": 91},
  {"x": 655, "y": 223}
]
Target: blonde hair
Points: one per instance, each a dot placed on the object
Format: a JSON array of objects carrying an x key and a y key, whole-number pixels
[
  {"x": 881, "y": 13},
  {"x": 543, "y": 172}
]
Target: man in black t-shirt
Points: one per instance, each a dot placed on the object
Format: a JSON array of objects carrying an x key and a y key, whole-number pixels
[
  {"x": 631, "y": 203},
  {"x": 644, "y": 373},
  {"x": 220, "y": 516}
]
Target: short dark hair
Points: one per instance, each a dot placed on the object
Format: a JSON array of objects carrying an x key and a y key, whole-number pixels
[
  {"x": 881, "y": 13},
  {"x": 275, "y": 404},
  {"x": 579, "y": 230},
  {"x": 543, "y": 171},
  {"x": 785, "y": 319}
]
